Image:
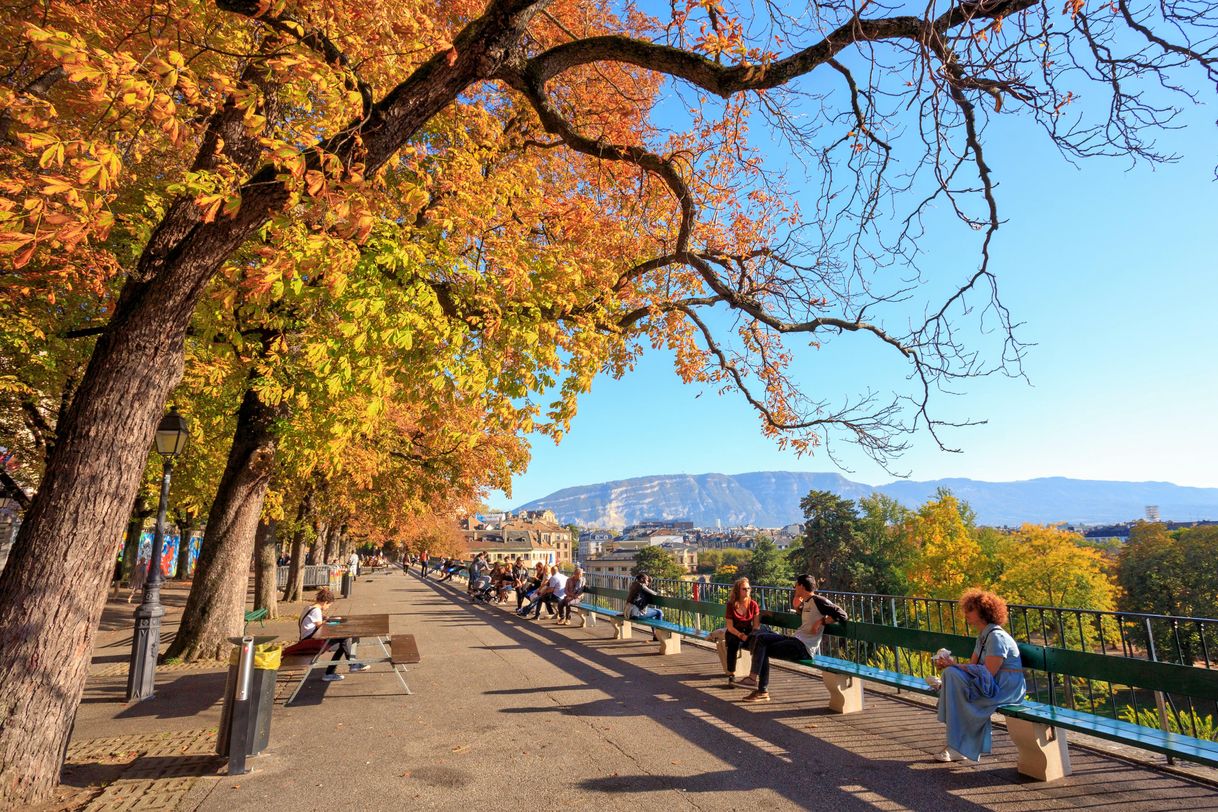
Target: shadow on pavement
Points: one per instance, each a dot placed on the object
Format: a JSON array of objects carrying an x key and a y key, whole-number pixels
[{"x": 773, "y": 750}]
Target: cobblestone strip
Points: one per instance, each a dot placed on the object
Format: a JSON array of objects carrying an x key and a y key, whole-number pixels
[{"x": 154, "y": 771}]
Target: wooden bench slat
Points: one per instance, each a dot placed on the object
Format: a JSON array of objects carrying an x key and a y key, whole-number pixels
[
  {"x": 403, "y": 649},
  {"x": 906, "y": 682}
]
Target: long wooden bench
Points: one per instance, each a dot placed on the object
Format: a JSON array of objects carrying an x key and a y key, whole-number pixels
[{"x": 1038, "y": 730}]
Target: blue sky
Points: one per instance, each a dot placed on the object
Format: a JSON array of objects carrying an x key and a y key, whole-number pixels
[{"x": 1110, "y": 267}]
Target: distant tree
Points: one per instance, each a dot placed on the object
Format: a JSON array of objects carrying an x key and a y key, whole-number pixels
[
  {"x": 1151, "y": 571},
  {"x": 768, "y": 566},
  {"x": 726, "y": 573},
  {"x": 830, "y": 524},
  {"x": 657, "y": 562},
  {"x": 992, "y": 543},
  {"x": 1047, "y": 566},
  {"x": 882, "y": 550},
  {"x": 1172, "y": 574},
  {"x": 947, "y": 557}
]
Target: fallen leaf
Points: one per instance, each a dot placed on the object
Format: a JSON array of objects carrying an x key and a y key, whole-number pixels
[{"x": 461, "y": 748}]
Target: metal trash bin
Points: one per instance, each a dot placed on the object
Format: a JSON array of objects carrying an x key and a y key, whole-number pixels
[
  {"x": 348, "y": 581},
  {"x": 245, "y": 722}
]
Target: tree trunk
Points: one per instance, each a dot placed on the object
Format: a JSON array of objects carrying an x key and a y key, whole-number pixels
[
  {"x": 331, "y": 554},
  {"x": 215, "y": 609},
  {"x": 53, "y": 588},
  {"x": 266, "y": 552},
  {"x": 292, "y": 591},
  {"x": 186, "y": 526},
  {"x": 135, "y": 528}
]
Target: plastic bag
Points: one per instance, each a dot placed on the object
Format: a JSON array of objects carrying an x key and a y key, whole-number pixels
[{"x": 267, "y": 656}]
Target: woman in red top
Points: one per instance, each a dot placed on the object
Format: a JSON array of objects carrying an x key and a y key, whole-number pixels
[{"x": 743, "y": 617}]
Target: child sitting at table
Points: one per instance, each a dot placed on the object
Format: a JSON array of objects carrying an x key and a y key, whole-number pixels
[{"x": 313, "y": 618}]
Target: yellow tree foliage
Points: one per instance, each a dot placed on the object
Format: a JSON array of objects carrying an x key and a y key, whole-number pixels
[
  {"x": 1048, "y": 566},
  {"x": 947, "y": 557}
]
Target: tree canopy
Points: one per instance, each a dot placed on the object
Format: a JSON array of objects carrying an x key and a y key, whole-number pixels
[{"x": 174, "y": 171}]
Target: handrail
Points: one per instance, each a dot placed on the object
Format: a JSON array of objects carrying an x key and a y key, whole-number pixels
[{"x": 1060, "y": 638}]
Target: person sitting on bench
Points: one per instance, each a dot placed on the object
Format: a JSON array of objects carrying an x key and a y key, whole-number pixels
[
  {"x": 310, "y": 622},
  {"x": 639, "y": 598},
  {"x": 449, "y": 568},
  {"x": 743, "y": 617},
  {"x": 803, "y": 645},
  {"x": 520, "y": 581},
  {"x": 992, "y": 677},
  {"x": 533, "y": 589},
  {"x": 574, "y": 590},
  {"x": 551, "y": 593}
]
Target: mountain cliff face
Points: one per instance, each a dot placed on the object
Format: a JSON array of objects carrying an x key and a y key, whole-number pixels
[{"x": 771, "y": 499}]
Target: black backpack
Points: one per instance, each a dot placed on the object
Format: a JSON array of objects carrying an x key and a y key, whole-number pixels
[{"x": 829, "y": 609}]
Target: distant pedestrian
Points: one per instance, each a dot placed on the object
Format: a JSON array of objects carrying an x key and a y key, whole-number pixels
[{"x": 139, "y": 576}]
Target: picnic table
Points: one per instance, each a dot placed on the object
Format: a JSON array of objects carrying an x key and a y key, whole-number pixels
[{"x": 399, "y": 650}]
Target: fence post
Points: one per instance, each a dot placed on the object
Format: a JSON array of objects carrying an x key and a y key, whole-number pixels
[{"x": 1160, "y": 700}]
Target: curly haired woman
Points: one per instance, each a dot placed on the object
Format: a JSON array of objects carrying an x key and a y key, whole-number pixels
[{"x": 992, "y": 677}]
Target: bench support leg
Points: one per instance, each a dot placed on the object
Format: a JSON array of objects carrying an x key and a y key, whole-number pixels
[
  {"x": 845, "y": 692},
  {"x": 621, "y": 629},
  {"x": 1043, "y": 753},
  {"x": 670, "y": 642},
  {"x": 744, "y": 660}
]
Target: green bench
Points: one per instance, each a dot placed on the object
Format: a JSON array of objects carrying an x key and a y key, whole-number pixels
[
  {"x": 1038, "y": 730},
  {"x": 259, "y": 615}
]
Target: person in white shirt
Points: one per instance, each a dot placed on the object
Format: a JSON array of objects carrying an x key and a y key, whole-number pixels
[
  {"x": 553, "y": 590},
  {"x": 803, "y": 645},
  {"x": 313, "y": 618},
  {"x": 353, "y": 564}
]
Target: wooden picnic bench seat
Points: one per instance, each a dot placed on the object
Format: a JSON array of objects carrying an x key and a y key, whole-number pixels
[{"x": 403, "y": 650}]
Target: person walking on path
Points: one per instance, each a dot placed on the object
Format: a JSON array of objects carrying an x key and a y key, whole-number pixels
[
  {"x": 353, "y": 564},
  {"x": 993, "y": 676},
  {"x": 423, "y": 563}
]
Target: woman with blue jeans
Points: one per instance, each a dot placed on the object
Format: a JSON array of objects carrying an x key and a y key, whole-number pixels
[{"x": 639, "y": 598}]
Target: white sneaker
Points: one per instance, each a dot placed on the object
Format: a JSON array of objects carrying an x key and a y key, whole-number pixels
[
  {"x": 354, "y": 667},
  {"x": 332, "y": 677},
  {"x": 945, "y": 756}
]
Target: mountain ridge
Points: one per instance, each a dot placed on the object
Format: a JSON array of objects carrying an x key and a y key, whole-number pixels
[{"x": 771, "y": 499}]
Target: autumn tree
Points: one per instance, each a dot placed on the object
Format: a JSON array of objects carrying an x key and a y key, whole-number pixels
[
  {"x": 95, "y": 91},
  {"x": 947, "y": 558},
  {"x": 1167, "y": 573},
  {"x": 1047, "y": 566}
]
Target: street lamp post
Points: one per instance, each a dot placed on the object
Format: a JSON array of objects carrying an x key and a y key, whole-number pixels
[{"x": 171, "y": 435}]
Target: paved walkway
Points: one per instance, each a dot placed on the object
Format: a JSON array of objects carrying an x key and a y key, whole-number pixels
[{"x": 511, "y": 713}]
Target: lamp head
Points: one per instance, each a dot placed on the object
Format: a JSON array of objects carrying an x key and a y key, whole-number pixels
[{"x": 171, "y": 434}]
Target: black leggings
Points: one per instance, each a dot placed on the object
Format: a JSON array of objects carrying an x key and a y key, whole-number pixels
[
  {"x": 342, "y": 652},
  {"x": 776, "y": 646},
  {"x": 734, "y": 644}
]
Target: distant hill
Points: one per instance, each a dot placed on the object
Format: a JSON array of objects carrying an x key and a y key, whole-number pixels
[{"x": 771, "y": 499}]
